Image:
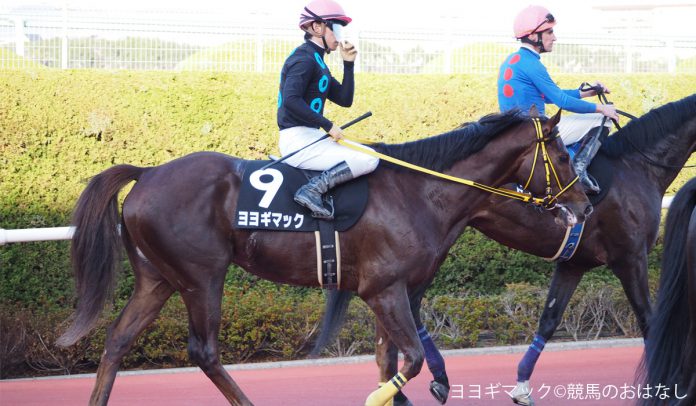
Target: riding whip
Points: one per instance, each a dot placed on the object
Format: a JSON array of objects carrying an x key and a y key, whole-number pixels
[{"x": 343, "y": 127}]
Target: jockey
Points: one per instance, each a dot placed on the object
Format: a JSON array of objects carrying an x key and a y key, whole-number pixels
[
  {"x": 524, "y": 82},
  {"x": 305, "y": 84}
]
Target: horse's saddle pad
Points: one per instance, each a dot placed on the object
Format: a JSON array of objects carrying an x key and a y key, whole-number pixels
[
  {"x": 266, "y": 199},
  {"x": 601, "y": 169}
]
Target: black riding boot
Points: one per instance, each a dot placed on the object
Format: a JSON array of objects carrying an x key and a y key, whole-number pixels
[
  {"x": 310, "y": 195},
  {"x": 584, "y": 156}
]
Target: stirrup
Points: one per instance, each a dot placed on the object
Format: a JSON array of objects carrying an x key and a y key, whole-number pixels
[
  {"x": 315, "y": 209},
  {"x": 326, "y": 200},
  {"x": 590, "y": 184}
]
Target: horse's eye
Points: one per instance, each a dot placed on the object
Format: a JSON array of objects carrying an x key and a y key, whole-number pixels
[{"x": 564, "y": 158}]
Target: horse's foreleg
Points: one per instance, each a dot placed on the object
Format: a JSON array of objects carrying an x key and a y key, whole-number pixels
[
  {"x": 634, "y": 280},
  {"x": 563, "y": 283},
  {"x": 150, "y": 294},
  {"x": 204, "y": 307},
  {"x": 387, "y": 357},
  {"x": 391, "y": 307}
]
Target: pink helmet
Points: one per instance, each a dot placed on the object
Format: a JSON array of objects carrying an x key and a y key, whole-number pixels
[
  {"x": 321, "y": 10},
  {"x": 533, "y": 19}
]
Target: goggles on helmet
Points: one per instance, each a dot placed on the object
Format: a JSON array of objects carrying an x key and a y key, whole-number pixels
[{"x": 549, "y": 19}]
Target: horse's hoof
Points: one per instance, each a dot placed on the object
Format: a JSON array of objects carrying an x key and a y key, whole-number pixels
[
  {"x": 439, "y": 391},
  {"x": 524, "y": 400},
  {"x": 520, "y": 395},
  {"x": 401, "y": 400}
]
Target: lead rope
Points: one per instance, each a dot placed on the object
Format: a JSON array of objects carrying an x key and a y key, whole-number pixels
[{"x": 547, "y": 202}]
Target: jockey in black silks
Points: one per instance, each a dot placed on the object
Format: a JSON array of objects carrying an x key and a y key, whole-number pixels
[{"x": 305, "y": 85}]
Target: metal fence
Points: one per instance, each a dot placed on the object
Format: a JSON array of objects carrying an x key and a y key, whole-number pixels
[{"x": 77, "y": 39}]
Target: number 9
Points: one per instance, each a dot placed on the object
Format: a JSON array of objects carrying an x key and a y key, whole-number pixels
[{"x": 271, "y": 188}]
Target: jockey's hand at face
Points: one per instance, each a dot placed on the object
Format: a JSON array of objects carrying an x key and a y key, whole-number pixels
[{"x": 348, "y": 51}]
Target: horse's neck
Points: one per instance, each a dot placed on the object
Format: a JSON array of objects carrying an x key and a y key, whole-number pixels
[
  {"x": 478, "y": 168},
  {"x": 673, "y": 152}
]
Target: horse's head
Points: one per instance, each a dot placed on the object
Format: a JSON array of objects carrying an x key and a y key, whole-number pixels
[{"x": 550, "y": 177}]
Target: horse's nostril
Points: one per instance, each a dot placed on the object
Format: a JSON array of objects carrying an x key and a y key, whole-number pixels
[{"x": 588, "y": 210}]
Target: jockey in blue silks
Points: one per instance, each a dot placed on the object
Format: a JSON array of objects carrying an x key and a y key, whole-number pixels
[{"x": 524, "y": 82}]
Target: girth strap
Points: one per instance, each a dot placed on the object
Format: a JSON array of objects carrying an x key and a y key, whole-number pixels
[{"x": 328, "y": 256}]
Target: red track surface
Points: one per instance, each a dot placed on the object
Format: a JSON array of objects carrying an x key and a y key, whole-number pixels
[{"x": 349, "y": 384}]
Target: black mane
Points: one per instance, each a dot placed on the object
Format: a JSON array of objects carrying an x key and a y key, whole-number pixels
[
  {"x": 645, "y": 131},
  {"x": 440, "y": 152}
]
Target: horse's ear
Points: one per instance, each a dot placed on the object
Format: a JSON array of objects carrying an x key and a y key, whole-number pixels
[
  {"x": 533, "y": 111},
  {"x": 555, "y": 119}
]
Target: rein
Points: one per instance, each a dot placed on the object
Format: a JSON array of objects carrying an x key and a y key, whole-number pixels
[
  {"x": 548, "y": 202},
  {"x": 603, "y": 99}
]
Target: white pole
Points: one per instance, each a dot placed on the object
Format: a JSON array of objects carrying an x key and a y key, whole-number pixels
[
  {"x": 36, "y": 234},
  {"x": 66, "y": 233},
  {"x": 19, "y": 36},
  {"x": 64, "y": 41}
]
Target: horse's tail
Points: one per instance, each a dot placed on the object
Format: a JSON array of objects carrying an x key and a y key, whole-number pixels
[
  {"x": 669, "y": 325},
  {"x": 337, "y": 302},
  {"x": 95, "y": 247}
]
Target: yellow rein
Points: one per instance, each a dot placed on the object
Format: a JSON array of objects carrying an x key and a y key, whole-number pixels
[{"x": 546, "y": 202}]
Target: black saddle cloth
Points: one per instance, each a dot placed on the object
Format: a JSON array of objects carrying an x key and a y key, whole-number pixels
[
  {"x": 601, "y": 169},
  {"x": 266, "y": 202}
]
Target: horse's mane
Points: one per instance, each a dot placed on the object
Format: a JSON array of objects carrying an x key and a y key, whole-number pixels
[
  {"x": 440, "y": 152},
  {"x": 645, "y": 131}
]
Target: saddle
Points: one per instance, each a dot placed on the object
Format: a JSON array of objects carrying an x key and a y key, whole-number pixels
[{"x": 266, "y": 202}]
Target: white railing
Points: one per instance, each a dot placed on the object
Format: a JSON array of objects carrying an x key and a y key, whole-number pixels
[
  {"x": 76, "y": 39},
  {"x": 66, "y": 233}
]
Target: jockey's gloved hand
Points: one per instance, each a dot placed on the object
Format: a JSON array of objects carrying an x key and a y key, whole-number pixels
[
  {"x": 348, "y": 51},
  {"x": 608, "y": 110},
  {"x": 601, "y": 86},
  {"x": 336, "y": 132}
]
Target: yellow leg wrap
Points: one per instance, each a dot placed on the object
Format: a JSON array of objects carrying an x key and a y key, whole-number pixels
[
  {"x": 386, "y": 393},
  {"x": 390, "y": 402}
]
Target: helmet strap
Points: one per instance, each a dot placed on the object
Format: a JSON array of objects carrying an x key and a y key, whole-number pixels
[
  {"x": 538, "y": 43},
  {"x": 326, "y": 46},
  {"x": 326, "y": 23}
]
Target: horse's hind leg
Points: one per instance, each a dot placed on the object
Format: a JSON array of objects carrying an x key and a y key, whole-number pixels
[
  {"x": 439, "y": 386},
  {"x": 204, "y": 307},
  {"x": 150, "y": 293},
  {"x": 391, "y": 307}
]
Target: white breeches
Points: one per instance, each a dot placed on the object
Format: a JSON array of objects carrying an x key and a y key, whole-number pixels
[
  {"x": 324, "y": 154},
  {"x": 574, "y": 126}
]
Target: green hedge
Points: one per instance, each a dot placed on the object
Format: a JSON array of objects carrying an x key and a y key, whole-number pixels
[{"x": 61, "y": 127}]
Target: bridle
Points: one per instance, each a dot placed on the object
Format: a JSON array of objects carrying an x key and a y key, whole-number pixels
[{"x": 550, "y": 201}]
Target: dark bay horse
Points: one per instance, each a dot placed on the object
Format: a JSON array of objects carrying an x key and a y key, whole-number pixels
[
  {"x": 670, "y": 354},
  {"x": 645, "y": 157},
  {"x": 177, "y": 229}
]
